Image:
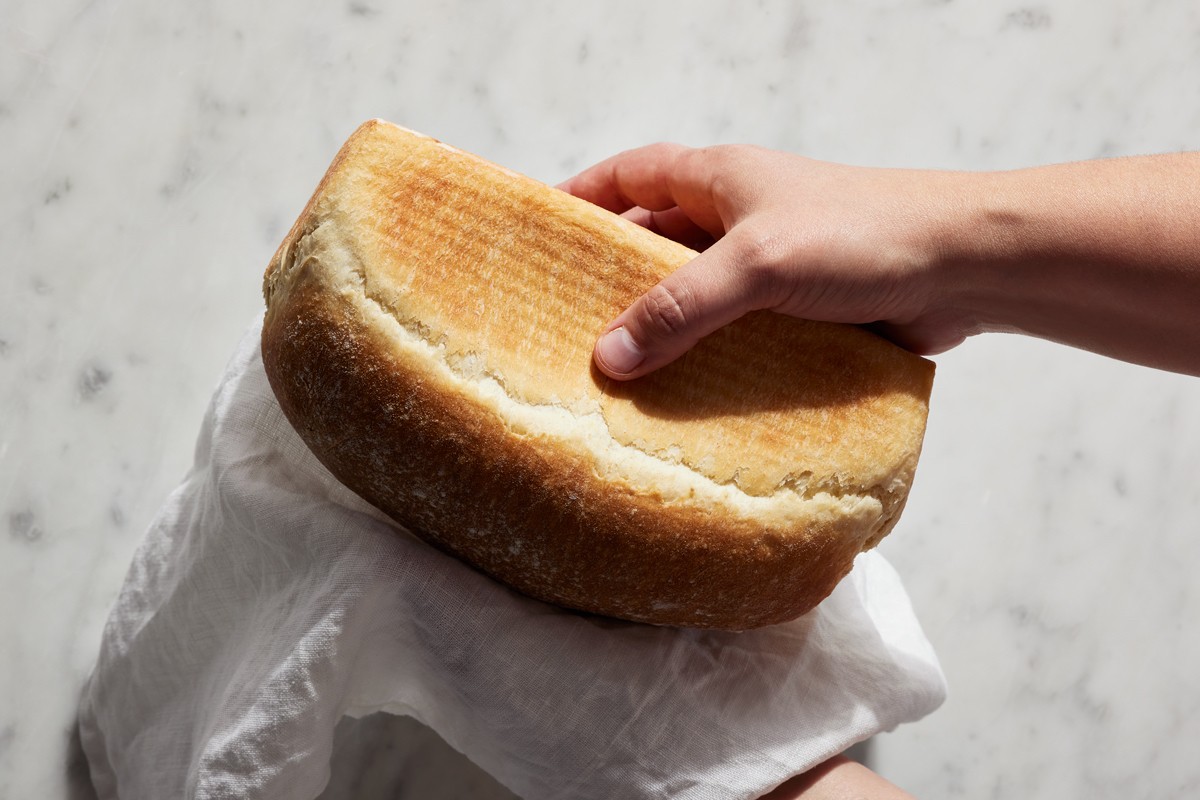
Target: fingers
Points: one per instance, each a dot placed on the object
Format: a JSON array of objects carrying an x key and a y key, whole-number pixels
[
  {"x": 633, "y": 178},
  {"x": 661, "y": 325},
  {"x": 672, "y": 224},
  {"x": 673, "y": 190},
  {"x": 657, "y": 177}
]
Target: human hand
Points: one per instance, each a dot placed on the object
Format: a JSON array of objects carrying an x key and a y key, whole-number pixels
[
  {"x": 780, "y": 232},
  {"x": 1102, "y": 255}
]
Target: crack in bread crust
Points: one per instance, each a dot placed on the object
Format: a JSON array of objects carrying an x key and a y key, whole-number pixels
[
  {"x": 557, "y": 421},
  {"x": 530, "y": 512}
]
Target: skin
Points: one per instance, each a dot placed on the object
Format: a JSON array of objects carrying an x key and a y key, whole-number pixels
[
  {"x": 1101, "y": 255},
  {"x": 839, "y": 778}
]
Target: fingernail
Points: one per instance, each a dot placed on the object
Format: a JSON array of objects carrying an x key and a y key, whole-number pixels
[{"x": 619, "y": 352}]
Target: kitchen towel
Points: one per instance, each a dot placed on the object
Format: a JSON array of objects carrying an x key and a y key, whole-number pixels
[{"x": 267, "y": 601}]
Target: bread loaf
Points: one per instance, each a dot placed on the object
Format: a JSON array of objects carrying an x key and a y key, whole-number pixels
[{"x": 429, "y": 331}]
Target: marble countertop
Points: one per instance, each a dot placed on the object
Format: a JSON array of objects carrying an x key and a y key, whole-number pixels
[{"x": 154, "y": 154}]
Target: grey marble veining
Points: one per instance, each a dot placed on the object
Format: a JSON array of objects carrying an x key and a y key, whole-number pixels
[{"x": 154, "y": 154}]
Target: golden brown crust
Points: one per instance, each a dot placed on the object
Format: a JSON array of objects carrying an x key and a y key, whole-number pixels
[{"x": 429, "y": 330}]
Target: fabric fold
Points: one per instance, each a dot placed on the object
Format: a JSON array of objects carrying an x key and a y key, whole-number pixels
[{"x": 267, "y": 601}]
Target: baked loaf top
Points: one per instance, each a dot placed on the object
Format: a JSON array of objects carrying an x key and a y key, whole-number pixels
[{"x": 429, "y": 332}]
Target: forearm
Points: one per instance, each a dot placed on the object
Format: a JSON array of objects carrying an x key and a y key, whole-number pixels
[
  {"x": 1103, "y": 255},
  {"x": 838, "y": 779}
]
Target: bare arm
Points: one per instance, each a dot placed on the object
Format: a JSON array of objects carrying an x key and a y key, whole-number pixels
[
  {"x": 1103, "y": 255},
  {"x": 838, "y": 779}
]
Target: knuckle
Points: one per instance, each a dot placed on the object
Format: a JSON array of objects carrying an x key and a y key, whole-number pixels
[
  {"x": 759, "y": 246},
  {"x": 657, "y": 148},
  {"x": 667, "y": 152},
  {"x": 763, "y": 260},
  {"x": 722, "y": 154},
  {"x": 731, "y": 172},
  {"x": 670, "y": 147},
  {"x": 729, "y": 157},
  {"x": 720, "y": 162},
  {"x": 666, "y": 311}
]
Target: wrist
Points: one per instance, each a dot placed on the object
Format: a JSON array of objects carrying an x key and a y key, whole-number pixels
[
  {"x": 987, "y": 243},
  {"x": 950, "y": 253},
  {"x": 1100, "y": 255}
]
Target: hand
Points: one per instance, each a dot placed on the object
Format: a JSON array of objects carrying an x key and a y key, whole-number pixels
[
  {"x": 1103, "y": 255},
  {"x": 779, "y": 232}
]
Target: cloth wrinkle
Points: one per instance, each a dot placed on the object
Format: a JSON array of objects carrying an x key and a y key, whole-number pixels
[{"x": 267, "y": 601}]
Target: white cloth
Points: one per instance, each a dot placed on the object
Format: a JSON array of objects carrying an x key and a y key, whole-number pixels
[{"x": 267, "y": 600}]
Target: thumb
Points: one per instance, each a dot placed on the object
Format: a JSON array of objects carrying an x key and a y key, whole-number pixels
[{"x": 703, "y": 295}]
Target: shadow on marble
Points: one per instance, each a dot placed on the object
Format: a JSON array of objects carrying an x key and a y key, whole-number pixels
[
  {"x": 863, "y": 753},
  {"x": 79, "y": 777},
  {"x": 388, "y": 756}
]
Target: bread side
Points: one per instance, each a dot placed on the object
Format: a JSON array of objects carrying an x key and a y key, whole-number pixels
[{"x": 440, "y": 367}]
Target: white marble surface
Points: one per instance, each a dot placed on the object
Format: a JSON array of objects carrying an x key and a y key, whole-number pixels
[{"x": 154, "y": 153}]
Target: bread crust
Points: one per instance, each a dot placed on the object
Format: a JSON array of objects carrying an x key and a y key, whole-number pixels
[{"x": 428, "y": 334}]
